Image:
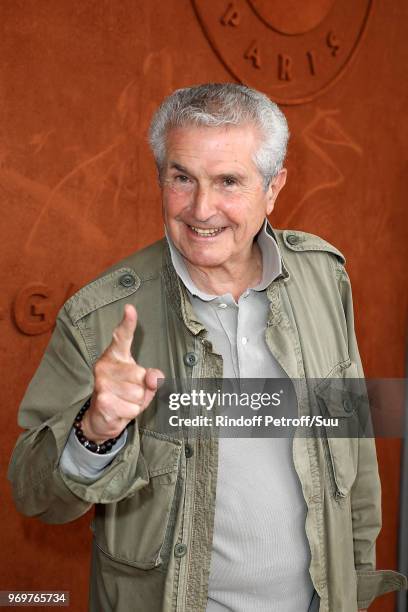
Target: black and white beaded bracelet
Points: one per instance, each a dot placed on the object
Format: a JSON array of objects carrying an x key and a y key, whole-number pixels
[{"x": 101, "y": 449}]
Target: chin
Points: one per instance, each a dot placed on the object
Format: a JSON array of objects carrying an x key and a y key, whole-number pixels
[{"x": 203, "y": 260}]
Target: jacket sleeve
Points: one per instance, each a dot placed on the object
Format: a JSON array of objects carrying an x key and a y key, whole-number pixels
[
  {"x": 366, "y": 490},
  {"x": 78, "y": 461},
  {"x": 60, "y": 386}
]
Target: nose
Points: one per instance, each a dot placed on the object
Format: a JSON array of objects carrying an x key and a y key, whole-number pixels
[{"x": 204, "y": 203}]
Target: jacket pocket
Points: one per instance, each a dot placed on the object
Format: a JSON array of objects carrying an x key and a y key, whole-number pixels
[
  {"x": 134, "y": 531},
  {"x": 341, "y": 397}
]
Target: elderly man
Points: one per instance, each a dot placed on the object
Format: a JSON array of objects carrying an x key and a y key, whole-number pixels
[{"x": 205, "y": 523}]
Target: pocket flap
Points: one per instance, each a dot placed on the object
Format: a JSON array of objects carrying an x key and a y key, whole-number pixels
[
  {"x": 343, "y": 395},
  {"x": 160, "y": 453}
]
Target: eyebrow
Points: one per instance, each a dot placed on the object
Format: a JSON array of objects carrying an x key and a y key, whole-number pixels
[{"x": 180, "y": 168}]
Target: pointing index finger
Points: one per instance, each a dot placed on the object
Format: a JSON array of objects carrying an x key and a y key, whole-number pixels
[{"x": 122, "y": 336}]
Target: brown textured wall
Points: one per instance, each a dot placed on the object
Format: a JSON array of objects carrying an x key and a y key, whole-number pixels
[{"x": 79, "y": 81}]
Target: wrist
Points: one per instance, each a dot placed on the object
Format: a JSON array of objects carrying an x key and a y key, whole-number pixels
[
  {"x": 84, "y": 434},
  {"x": 89, "y": 432}
]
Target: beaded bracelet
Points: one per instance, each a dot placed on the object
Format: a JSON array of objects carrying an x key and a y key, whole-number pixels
[{"x": 101, "y": 449}]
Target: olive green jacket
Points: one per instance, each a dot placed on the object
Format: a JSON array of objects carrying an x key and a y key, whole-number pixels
[{"x": 155, "y": 503}]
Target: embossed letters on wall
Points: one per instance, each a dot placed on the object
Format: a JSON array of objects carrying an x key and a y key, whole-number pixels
[{"x": 291, "y": 50}]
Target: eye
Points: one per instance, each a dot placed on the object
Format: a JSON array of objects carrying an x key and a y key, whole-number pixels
[
  {"x": 182, "y": 178},
  {"x": 229, "y": 181}
]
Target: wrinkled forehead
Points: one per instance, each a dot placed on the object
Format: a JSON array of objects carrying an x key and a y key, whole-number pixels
[{"x": 212, "y": 146}]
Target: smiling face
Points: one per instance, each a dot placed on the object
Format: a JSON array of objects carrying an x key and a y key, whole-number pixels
[{"x": 214, "y": 202}]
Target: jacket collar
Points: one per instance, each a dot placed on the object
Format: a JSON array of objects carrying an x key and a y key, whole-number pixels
[{"x": 284, "y": 274}]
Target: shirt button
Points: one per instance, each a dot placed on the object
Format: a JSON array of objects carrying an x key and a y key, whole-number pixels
[
  {"x": 244, "y": 340},
  {"x": 222, "y": 305},
  {"x": 180, "y": 550},
  {"x": 190, "y": 359}
]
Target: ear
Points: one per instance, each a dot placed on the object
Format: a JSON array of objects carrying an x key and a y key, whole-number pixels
[{"x": 277, "y": 183}]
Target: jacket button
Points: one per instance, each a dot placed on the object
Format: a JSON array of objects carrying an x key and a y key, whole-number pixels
[
  {"x": 347, "y": 405},
  {"x": 180, "y": 550},
  {"x": 188, "y": 451},
  {"x": 190, "y": 359},
  {"x": 293, "y": 239},
  {"x": 127, "y": 280}
]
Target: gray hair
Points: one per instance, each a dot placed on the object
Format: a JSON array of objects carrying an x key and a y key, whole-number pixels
[{"x": 218, "y": 104}]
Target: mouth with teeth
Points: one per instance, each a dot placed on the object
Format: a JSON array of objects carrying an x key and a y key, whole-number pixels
[{"x": 206, "y": 233}]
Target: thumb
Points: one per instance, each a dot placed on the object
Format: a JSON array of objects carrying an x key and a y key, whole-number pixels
[
  {"x": 152, "y": 376},
  {"x": 122, "y": 336}
]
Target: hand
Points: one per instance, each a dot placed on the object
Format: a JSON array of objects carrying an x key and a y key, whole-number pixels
[{"x": 122, "y": 389}]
